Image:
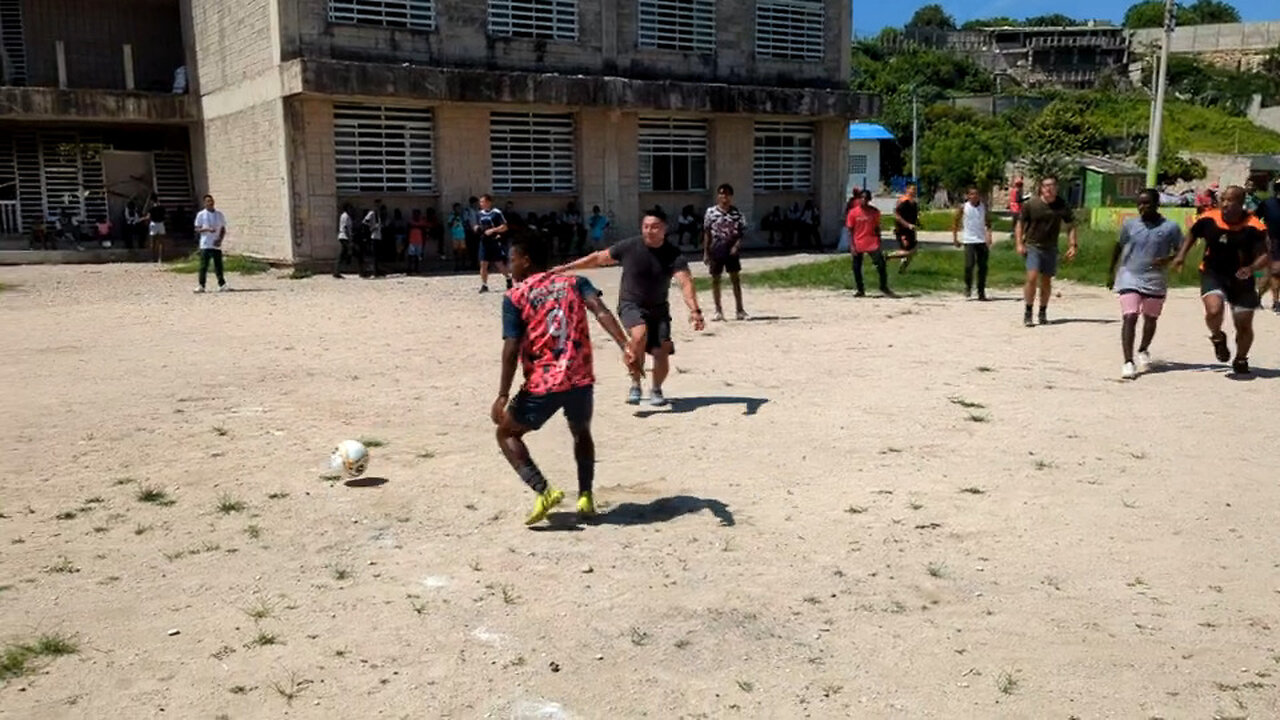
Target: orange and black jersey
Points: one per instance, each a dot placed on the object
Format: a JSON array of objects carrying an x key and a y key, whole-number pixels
[{"x": 1227, "y": 246}]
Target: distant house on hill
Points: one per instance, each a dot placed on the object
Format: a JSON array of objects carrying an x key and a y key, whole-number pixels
[{"x": 864, "y": 156}]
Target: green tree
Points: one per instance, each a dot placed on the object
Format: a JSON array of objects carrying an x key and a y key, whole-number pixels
[
  {"x": 1146, "y": 14},
  {"x": 1052, "y": 20},
  {"x": 961, "y": 148},
  {"x": 1000, "y": 21},
  {"x": 1065, "y": 128},
  {"x": 1173, "y": 168},
  {"x": 1211, "y": 12},
  {"x": 932, "y": 16}
]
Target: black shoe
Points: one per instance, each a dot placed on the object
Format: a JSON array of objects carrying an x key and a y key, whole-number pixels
[
  {"x": 1275, "y": 307},
  {"x": 888, "y": 293},
  {"x": 982, "y": 297},
  {"x": 860, "y": 293},
  {"x": 968, "y": 293},
  {"x": 1220, "y": 349},
  {"x": 509, "y": 285},
  {"x": 338, "y": 276},
  {"x": 1044, "y": 317},
  {"x": 1240, "y": 366},
  {"x": 1026, "y": 319}
]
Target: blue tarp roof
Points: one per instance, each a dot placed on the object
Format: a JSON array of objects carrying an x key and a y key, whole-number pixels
[{"x": 868, "y": 131}]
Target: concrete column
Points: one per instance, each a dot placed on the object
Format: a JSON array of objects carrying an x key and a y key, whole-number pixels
[
  {"x": 608, "y": 167},
  {"x": 831, "y": 161},
  {"x": 732, "y": 160},
  {"x": 463, "y": 168},
  {"x": 312, "y": 184}
]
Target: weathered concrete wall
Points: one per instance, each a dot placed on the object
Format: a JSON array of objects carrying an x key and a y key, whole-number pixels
[
  {"x": 93, "y": 35},
  {"x": 1240, "y": 46},
  {"x": 608, "y": 175},
  {"x": 96, "y": 106},
  {"x": 607, "y": 44},
  {"x": 426, "y": 83},
  {"x": 831, "y": 156},
  {"x": 250, "y": 178},
  {"x": 235, "y": 41},
  {"x": 1223, "y": 169}
]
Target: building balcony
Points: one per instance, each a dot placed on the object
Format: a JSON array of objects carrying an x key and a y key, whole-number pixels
[
  {"x": 378, "y": 80},
  {"x": 96, "y": 106}
]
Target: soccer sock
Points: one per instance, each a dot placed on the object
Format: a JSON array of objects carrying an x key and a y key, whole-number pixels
[
  {"x": 532, "y": 477},
  {"x": 586, "y": 477},
  {"x": 1028, "y": 309}
]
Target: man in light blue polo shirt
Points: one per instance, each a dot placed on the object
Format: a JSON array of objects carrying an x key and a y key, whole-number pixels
[{"x": 1146, "y": 246}]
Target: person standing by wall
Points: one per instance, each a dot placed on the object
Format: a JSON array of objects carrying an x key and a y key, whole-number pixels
[
  {"x": 211, "y": 228},
  {"x": 346, "y": 232}
]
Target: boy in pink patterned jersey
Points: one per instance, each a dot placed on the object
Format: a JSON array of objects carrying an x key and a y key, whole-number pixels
[{"x": 544, "y": 326}]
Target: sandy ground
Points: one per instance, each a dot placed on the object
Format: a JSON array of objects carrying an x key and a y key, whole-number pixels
[{"x": 815, "y": 529}]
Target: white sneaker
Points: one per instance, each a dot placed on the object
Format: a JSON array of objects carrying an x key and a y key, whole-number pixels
[
  {"x": 199, "y": 290},
  {"x": 223, "y": 288},
  {"x": 656, "y": 398},
  {"x": 1144, "y": 361},
  {"x": 1128, "y": 372}
]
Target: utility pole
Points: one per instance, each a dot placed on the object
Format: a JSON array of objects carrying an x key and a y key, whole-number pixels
[
  {"x": 1157, "y": 115},
  {"x": 915, "y": 133}
]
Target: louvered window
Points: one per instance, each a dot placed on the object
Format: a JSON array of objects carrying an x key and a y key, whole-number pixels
[
  {"x": 412, "y": 14},
  {"x": 549, "y": 19},
  {"x": 783, "y": 156},
  {"x": 789, "y": 29},
  {"x": 532, "y": 152},
  {"x": 673, "y": 154},
  {"x": 383, "y": 149},
  {"x": 684, "y": 25}
]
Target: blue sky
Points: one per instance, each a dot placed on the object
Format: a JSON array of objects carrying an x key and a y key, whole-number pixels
[{"x": 869, "y": 16}]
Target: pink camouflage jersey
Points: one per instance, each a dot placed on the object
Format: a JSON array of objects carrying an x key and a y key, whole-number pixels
[{"x": 548, "y": 314}]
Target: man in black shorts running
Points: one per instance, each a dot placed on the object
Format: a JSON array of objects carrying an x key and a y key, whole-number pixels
[
  {"x": 906, "y": 222},
  {"x": 491, "y": 224},
  {"x": 1235, "y": 246},
  {"x": 649, "y": 263}
]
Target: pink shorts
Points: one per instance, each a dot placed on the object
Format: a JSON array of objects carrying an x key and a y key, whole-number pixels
[{"x": 1135, "y": 303}]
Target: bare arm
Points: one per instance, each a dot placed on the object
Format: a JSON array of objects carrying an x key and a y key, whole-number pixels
[
  {"x": 1185, "y": 248},
  {"x": 685, "y": 278},
  {"x": 496, "y": 230},
  {"x": 601, "y": 258},
  {"x": 510, "y": 354},
  {"x": 955, "y": 225},
  {"x": 607, "y": 320}
]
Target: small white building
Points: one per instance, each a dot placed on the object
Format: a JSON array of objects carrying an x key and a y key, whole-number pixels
[{"x": 864, "y": 156}]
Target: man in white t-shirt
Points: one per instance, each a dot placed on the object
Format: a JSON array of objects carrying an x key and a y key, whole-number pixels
[
  {"x": 971, "y": 229},
  {"x": 211, "y": 228}
]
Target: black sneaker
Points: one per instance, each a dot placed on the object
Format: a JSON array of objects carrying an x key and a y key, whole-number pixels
[
  {"x": 860, "y": 293},
  {"x": 509, "y": 285},
  {"x": 484, "y": 288},
  {"x": 1220, "y": 349},
  {"x": 1026, "y": 319},
  {"x": 982, "y": 297},
  {"x": 1275, "y": 307},
  {"x": 1044, "y": 316},
  {"x": 1240, "y": 366}
]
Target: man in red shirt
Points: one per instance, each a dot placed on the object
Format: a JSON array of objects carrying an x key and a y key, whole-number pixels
[
  {"x": 863, "y": 222},
  {"x": 544, "y": 326}
]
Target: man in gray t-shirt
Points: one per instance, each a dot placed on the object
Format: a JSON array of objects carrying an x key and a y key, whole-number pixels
[{"x": 1146, "y": 246}]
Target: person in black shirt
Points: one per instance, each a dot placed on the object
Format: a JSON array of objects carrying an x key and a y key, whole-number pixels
[
  {"x": 906, "y": 219},
  {"x": 1235, "y": 245},
  {"x": 648, "y": 264},
  {"x": 156, "y": 217}
]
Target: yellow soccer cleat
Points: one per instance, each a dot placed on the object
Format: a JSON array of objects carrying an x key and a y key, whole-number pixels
[
  {"x": 586, "y": 505},
  {"x": 546, "y": 500}
]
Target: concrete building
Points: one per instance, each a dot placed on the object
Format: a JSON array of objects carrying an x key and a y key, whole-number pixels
[
  {"x": 88, "y": 116},
  {"x": 864, "y": 156},
  {"x": 1238, "y": 46},
  {"x": 1077, "y": 57},
  {"x": 307, "y": 104}
]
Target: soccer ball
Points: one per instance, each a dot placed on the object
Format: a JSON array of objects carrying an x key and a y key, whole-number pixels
[{"x": 351, "y": 458}]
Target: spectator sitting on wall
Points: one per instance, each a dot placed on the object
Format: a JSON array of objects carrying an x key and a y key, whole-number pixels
[{"x": 102, "y": 231}]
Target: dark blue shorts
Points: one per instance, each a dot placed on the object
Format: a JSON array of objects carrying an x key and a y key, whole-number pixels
[{"x": 533, "y": 411}]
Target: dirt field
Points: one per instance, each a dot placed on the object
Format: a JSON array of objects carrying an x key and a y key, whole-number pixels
[{"x": 912, "y": 508}]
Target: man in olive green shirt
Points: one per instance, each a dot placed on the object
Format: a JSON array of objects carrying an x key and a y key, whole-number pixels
[{"x": 1036, "y": 233}]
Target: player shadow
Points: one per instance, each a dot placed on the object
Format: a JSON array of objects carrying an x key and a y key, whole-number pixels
[
  {"x": 366, "y": 482},
  {"x": 1083, "y": 321},
  {"x": 1256, "y": 373},
  {"x": 773, "y": 318},
  {"x": 664, "y": 510},
  {"x": 238, "y": 291},
  {"x": 678, "y": 406}
]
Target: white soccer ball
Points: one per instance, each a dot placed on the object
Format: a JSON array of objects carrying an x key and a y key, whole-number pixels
[{"x": 351, "y": 458}]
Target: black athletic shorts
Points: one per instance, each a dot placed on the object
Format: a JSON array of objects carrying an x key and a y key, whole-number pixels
[
  {"x": 533, "y": 411},
  {"x": 906, "y": 239},
  {"x": 657, "y": 321},
  {"x": 1273, "y": 247},
  {"x": 492, "y": 249},
  {"x": 718, "y": 265},
  {"x": 1239, "y": 294}
]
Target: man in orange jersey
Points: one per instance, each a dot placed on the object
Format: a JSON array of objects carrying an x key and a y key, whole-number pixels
[{"x": 1235, "y": 246}]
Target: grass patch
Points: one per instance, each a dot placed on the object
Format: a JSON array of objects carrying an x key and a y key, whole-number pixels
[
  {"x": 340, "y": 572},
  {"x": 260, "y": 610},
  {"x": 1006, "y": 683},
  {"x": 262, "y": 639},
  {"x": 967, "y": 404},
  {"x": 253, "y": 531},
  {"x": 978, "y": 418},
  {"x": 190, "y": 265},
  {"x": 64, "y": 566},
  {"x": 300, "y": 273},
  {"x": 941, "y": 269},
  {"x": 18, "y": 659},
  {"x": 154, "y": 495},
  {"x": 973, "y": 490},
  {"x": 940, "y": 221},
  {"x": 228, "y": 504},
  {"x": 936, "y": 569},
  {"x": 372, "y": 442}
]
